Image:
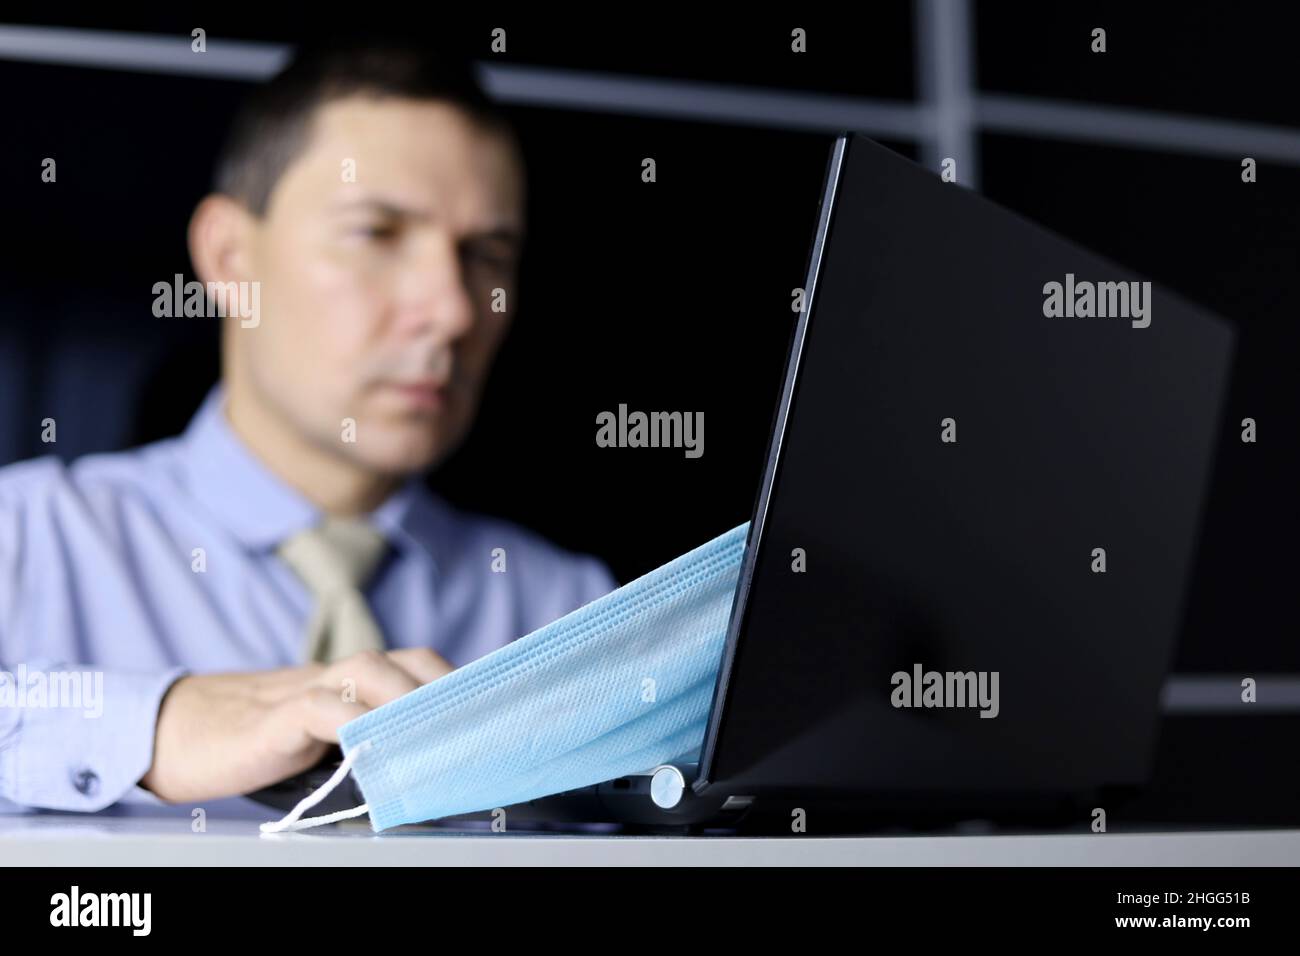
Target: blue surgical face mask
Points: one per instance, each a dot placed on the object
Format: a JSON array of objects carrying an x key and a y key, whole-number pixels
[{"x": 617, "y": 687}]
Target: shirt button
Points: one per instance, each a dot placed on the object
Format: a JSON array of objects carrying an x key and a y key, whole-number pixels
[{"x": 86, "y": 782}]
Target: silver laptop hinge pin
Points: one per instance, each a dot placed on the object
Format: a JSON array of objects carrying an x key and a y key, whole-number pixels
[{"x": 667, "y": 786}]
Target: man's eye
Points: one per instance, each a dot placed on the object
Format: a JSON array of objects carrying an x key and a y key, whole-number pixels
[
  {"x": 377, "y": 232},
  {"x": 493, "y": 260}
]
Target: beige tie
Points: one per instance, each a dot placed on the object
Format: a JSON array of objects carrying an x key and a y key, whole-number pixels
[{"x": 334, "y": 560}]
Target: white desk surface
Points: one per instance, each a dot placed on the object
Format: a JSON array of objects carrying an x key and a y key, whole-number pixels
[{"x": 41, "y": 839}]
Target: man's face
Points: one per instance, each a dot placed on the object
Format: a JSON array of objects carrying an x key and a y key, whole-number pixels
[{"x": 378, "y": 288}]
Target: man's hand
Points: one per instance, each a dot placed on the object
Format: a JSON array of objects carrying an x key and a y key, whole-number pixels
[{"x": 219, "y": 735}]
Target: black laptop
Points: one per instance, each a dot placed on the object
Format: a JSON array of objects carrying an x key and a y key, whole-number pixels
[{"x": 968, "y": 559}]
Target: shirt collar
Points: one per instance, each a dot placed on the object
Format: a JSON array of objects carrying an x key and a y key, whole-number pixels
[{"x": 257, "y": 507}]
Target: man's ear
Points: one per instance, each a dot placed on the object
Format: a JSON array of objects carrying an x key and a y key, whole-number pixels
[{"x": 220, "y": 236}]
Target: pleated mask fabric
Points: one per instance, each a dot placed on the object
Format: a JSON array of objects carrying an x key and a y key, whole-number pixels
[{"x": 618, "y": 686}]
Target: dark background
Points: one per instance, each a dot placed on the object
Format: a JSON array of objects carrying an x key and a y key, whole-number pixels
[{"x": 675, "y": 296}]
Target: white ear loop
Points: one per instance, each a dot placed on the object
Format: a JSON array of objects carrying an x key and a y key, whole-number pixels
[{"x": 292, "y": 821}]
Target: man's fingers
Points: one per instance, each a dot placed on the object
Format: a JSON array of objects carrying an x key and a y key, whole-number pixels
[
  {"x": 275, "y": 686},
  {"x": 369, "y": 678},
  {"x": 421, "y": 663},
  {"x": 323, "y": 712}
]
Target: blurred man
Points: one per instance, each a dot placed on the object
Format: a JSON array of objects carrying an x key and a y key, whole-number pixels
[{"x": 232, "y": 596}]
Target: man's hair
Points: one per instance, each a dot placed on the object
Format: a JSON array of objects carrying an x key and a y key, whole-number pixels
[{"x": 272, "y": 127}]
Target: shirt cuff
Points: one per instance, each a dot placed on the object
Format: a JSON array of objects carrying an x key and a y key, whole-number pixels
[{"x": 84, "y": 757}]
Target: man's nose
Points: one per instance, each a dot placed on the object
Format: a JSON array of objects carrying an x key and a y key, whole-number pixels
[{"x": 435, "y": 296}]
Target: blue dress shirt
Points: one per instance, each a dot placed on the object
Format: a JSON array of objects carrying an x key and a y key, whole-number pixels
[{"x": 133, "y": 568}]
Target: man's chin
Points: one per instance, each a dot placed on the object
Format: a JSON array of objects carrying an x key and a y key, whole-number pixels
[
  {"x": 401, "y": 460},
  {"x": 399, "y": 450}
]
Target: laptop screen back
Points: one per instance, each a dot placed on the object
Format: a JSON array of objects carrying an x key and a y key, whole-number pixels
[{"x": 968, "y": 560}]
